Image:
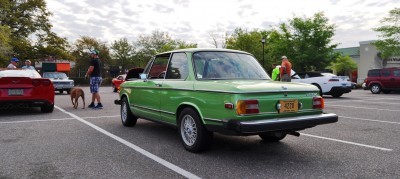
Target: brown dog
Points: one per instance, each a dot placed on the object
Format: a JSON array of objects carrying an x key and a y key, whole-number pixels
[{"x": 75, "y": 94}]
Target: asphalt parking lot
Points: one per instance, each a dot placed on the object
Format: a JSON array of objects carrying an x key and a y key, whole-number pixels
[{"x": 88, "y": 143}]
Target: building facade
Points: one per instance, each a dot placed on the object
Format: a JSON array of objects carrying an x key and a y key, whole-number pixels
[{"x": 368, "y": 57}]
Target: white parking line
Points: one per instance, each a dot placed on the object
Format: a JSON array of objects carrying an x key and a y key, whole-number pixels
[
  {"x": 365, "y": 108},
  {"x": 100, "y": 117},
  {"x": 390, "y": 122},
  {"x": 347, "y": 142},
  {"x": 44, "y": 120},
  {"x": 361, "y": 101},
  {"x": 134, "y": 147},
  {"x": 366, "y": 99},
  {"x": 61, "y": 119}
]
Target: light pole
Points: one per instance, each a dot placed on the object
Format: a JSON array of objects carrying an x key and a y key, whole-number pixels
[{"x": 263, "y": 43}]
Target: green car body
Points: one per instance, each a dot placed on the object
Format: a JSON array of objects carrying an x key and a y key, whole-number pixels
[{"x": 179, "y": 88}]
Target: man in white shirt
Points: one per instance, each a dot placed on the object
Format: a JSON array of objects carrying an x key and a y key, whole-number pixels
[{"x": 28, "y": 65}]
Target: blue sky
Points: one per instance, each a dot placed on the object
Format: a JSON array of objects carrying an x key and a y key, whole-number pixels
[{"x": 195, "y": 20}]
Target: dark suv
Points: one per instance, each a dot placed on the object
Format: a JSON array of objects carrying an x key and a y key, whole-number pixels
[{"x": 385, "y": 80}]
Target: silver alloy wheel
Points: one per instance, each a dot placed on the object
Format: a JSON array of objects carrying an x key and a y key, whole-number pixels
[
  {"x": 124, "y": 113},
  {"x": 375, "y": 88},
  {"x": 188, "y": 130}
]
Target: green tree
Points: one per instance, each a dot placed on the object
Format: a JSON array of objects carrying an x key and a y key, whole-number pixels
[
  {"x": 81, "y": 51},
  {"x": 5, "y": 47},
  {"x": 390, "y": 32},
  {"x": 306, "y": 41},
  {"x": 123, "y": 53},
  {"x": 311, "y": 41},
  {"x": 52, "y": 45},
  {"x": 149, "y": 45},
  {"x": 343, "y": 65},
  {"x": 27, "y": 19},
  {"x": 249, "y": 41}
]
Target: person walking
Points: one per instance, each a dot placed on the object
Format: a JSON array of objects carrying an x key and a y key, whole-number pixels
[
  {"x": 286, "y": 68},
  {"x": 28, "y": 65},
  {"x": 95, "y": 79},
  {"x": 13, "y": 63},
  {"x": 275, "y": 72}
]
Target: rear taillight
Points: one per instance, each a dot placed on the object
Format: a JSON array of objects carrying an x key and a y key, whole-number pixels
[
  {"x": 247, "y": 107},
  {"x": 35, "y": 82},
  {"x": 46, "y": 82},
  {"x": 318, "y": 102},
  {"x": 41, "y": 82},
  {"x": 333, "y": 79}
]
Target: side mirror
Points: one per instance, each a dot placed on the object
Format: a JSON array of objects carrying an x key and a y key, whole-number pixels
[{"x": 143, "y": 76}]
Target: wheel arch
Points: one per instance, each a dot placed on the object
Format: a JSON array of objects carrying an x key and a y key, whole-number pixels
[
  {"x": 124, "y": 96},
  {"x": 319, "y": 87},
  {"x": 190, "y": 105},
  {"x": 374, "y": 82}
]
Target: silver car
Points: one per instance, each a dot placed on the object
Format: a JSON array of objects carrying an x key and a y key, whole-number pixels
[{"x": 60, "y": 80}]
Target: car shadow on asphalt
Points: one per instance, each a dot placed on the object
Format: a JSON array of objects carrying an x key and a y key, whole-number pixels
[{"x": 15, "y": 111}]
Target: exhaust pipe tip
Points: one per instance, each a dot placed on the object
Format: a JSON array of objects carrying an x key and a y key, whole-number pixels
[{"x": 294, "y": 133}]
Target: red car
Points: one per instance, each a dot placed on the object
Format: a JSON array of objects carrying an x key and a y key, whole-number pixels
[
  {"x": 25, "y": 88},
  {"x": 117, "y": 81},
  {"x": 385, "y": 80}
]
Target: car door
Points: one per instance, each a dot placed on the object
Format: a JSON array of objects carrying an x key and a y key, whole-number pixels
[
  {"x": 175, "y": 88},
  {"x": 146, "y": 94},
  {"x": 396, "y": 76},
  {"x": 387, "y": 79}
]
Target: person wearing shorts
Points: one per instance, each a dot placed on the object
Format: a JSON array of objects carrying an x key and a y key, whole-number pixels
[{"x": 95, "y": 79}]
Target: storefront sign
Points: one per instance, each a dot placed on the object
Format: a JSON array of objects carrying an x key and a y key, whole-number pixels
[{"x": 393, "y": 60}]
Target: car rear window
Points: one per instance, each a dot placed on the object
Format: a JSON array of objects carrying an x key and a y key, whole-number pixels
[{"x": 374, "y": 72}]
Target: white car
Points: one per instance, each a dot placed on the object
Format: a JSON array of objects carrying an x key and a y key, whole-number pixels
[
  {"x": 60, "y": 80},
  {"x": 328, "y": 83}
]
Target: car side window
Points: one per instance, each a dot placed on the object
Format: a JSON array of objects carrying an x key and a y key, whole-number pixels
[
  {"x": 396, "y": 73},
  {"x": 386, "y": 73},
  {"x": 373, "y": 73},
  {"x": 178, "y": 67},
  {"x": 159, "y": 66}
]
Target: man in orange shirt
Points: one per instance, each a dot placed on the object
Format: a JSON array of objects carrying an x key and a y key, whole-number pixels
[{"x": 286, "y": 68}]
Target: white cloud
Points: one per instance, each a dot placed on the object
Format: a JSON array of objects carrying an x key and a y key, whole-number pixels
[{"x": 193, "y": 20}]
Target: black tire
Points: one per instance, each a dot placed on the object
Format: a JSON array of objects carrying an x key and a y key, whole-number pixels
[
  {"x": 61, "y": 91},
  {"x": 376, "y": 89},
  {"x": 272, "y": 136},
  {"x": 68, "y": 91},
  {"x": 114, "y": 89},
  {"x": 127, "y": 118},
  {"x": 193, "y": 134},
  {"x": 47, "y": 108},
  {"x": 337, "y": 94},
  {"x": 386, "y": 91}
]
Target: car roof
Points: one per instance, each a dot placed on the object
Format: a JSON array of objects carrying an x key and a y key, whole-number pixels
[
  {"x": 193, "y": 50},
  {"x": 19, "y": 73}
]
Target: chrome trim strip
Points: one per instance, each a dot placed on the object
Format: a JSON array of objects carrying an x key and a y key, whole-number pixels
[
  {"x": 151, "y": 109},
  {"x": 218, "y": 91},
  {"x": 298, "y": 118},
  {"x": 276, "y": 112},
  {"x": 214, "y": 120}
]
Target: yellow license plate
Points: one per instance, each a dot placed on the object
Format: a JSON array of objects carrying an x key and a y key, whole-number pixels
[{"x": 289, "y": 106}]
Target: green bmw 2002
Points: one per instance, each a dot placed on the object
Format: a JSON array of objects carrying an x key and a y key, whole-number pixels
[{"x": 202, "y": 91}]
